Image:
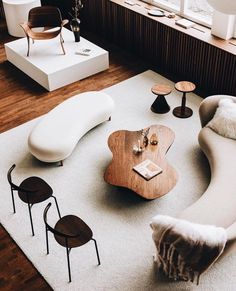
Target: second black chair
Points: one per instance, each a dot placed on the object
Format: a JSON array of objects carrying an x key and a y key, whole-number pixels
[
  {"x": 70, "y": 232},
  {"x": 31, "y": 191}
]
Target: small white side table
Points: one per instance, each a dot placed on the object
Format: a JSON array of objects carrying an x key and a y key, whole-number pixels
[{"x": 16, "y": 11}]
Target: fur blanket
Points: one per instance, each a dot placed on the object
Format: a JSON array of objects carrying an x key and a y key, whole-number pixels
[{"x": 185, "y": 249}]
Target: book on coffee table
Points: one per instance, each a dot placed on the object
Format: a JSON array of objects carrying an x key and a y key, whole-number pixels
[{"x": 147, "y": 169}]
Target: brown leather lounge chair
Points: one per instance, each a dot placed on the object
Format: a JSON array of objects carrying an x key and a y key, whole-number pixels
[{"x": 44, "y": 17}]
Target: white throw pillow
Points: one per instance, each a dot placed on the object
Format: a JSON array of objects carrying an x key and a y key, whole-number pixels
[{"x": 224, "y": 120}]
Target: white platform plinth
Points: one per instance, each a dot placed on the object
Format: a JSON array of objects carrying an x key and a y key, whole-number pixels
[
  {"x": 49, "y": 67},
  {"x": 16, "y": 11}
]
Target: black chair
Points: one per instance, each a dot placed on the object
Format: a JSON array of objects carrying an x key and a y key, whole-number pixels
[
  {"x": 31, "y": 191},
  {"x": 70, "y": 232}
]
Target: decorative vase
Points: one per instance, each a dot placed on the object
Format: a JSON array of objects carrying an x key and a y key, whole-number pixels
[
  {"x": 154, "y": 139},
  {"x": 75, "y": 27},
  {"x": 144, "y": 133}
]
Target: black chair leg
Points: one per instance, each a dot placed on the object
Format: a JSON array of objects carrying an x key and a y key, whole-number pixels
[
  {"x": 68, "y": 262},
  {"x": 47, "y": 240},
  {"x": 96, "y": 247},
  {"x": 31, "y": 221},
  {"x": 57, "y": 206},
  {"x": 13, "y": 201}
]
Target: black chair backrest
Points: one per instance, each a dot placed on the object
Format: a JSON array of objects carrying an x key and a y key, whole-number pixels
[
  {"x": 9, "y": 178},
  {"x": 53, "y": 230},
  {"x": 44, "y": 16},
  {"x": 14, "y": 186}
]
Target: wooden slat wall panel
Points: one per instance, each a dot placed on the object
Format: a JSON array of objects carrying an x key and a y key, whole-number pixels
[
  {"x": 97, "y": 16},
  {"x": 2, "y": 14},
  {"x": 175, "y": 54}
]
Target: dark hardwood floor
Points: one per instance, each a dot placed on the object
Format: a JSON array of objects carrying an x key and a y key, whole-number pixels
[{"x": 22, "y": 99}]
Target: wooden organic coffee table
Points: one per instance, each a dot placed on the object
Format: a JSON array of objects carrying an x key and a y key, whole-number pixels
[{"x": 120, "y": 171}]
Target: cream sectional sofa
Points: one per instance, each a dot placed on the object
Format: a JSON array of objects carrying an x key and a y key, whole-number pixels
[
  {"x": 217, "y": 206},
  {"x": 206, "y": 230}
]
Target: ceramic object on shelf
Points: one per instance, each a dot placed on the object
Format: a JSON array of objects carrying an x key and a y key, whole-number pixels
[{"x": 226, "y": 6}]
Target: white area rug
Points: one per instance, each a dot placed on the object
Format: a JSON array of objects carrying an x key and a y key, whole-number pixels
[{"x": 118, "y": 217}]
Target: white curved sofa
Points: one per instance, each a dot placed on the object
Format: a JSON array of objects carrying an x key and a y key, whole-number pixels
[
  {"x": 57, "y": 133},
  {"x": 217, "y": 205},
  {"x": 207, "y": 228}
]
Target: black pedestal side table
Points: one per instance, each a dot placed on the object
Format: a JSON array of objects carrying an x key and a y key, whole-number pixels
[
  {"x": 183, "y": 111},
  {"x": 160, "y": 105}
]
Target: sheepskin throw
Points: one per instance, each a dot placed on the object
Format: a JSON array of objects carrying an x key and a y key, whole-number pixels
[
  {"x": 185, "y": 249},
  {"x": 224, "y": 120}
]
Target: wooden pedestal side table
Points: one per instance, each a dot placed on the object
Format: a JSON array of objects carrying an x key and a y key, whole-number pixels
[
  {"x": 183, "y": 111},
  {"x": 160, "y": 105}
]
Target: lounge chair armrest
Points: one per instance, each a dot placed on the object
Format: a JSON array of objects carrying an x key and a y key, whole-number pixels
[
  {"x": 64, "y": 22},
  {"x": 25, "y": 26}
]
